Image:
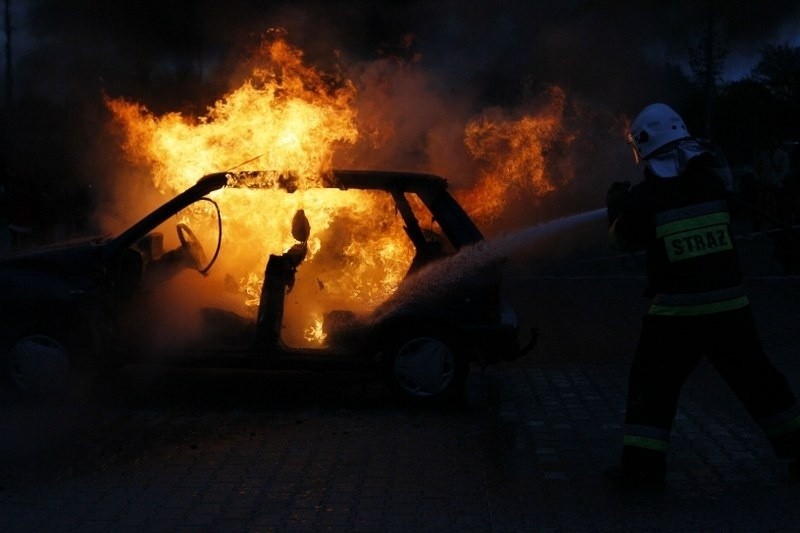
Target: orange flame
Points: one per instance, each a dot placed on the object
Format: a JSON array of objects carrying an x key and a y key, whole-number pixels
[
  {"x": 286, "y": 115},
  {"x": 513, "y": 156},
  {"x": 290, "y": 118}
]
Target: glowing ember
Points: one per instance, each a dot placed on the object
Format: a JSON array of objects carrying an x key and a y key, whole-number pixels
[{"x": 315, "y": 334}]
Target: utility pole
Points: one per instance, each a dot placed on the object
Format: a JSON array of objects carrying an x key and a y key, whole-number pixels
[{"x": 9, "y": 59}]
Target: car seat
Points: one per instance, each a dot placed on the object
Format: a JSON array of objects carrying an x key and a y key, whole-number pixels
[{"x": 278, "y": 280}]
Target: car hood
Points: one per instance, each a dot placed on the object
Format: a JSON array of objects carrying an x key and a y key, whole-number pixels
[{"x": 59, "y": 258}]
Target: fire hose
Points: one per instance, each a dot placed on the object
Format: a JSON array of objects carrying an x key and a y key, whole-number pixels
[{"x": 787, "y": 237}]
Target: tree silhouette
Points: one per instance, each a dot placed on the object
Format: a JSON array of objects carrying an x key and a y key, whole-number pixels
[
  {"x": 779, "y": 70},
  {"x": 706, "y": 61}
]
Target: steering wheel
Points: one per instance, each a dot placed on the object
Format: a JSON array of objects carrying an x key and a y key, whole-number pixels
[{"x": 191, "y": 246}]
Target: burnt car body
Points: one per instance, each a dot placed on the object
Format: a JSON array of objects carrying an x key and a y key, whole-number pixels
[{"x": 63, "y": 302}]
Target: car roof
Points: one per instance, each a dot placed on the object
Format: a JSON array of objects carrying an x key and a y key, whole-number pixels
[{"x": 340, "y": 179}]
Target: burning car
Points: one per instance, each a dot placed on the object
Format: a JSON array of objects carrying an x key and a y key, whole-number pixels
[{"x": 76, "y": 308}]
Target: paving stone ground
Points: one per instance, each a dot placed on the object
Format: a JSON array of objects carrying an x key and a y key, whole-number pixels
[{"x": 217, "y": 450}]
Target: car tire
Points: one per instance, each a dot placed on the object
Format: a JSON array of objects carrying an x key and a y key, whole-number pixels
[
  {"x": 44, "y": 362},
  {"x": 425, "y": 365},
  {"x": 38, "y": 365}
]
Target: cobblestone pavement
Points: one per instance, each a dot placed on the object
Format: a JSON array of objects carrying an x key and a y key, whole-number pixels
[{"x": 210, "y": 450}]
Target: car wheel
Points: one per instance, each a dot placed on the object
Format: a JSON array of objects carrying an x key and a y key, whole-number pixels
[
  {"x": 39, "y": 365},
  {"x": 425, "y": 365},
  {"x": 48, "y": 359}
]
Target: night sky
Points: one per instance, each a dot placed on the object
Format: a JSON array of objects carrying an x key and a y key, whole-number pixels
[{"x": 613, "y": 52}]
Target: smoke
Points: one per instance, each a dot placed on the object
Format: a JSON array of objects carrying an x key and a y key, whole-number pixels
[
  {"x": 426, "y": 68},
  {"x": 406, "y": 120}
]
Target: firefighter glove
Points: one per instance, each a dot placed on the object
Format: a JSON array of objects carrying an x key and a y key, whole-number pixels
[{"x": 615, "y": 198}]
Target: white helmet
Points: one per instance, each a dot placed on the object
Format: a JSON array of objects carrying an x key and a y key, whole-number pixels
[{"x": 654, "y": 127}]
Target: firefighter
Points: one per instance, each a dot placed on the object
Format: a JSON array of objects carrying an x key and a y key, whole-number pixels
[{"x": 678, "y": 214}]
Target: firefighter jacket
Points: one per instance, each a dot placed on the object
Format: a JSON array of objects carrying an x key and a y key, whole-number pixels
[{"x": 683, "y": 224}]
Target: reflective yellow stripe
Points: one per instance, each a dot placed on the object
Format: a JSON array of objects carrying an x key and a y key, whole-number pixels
[
  {"x": 645, "y": 442},
  {"x": 694, "y": 231},
  {"x": 705, "y": 297},
  {"x": 693, "y": 223},
  {"x": 688, "y": 211},
  {"x": 698, "y": 242},
  {"x": 698, "y": 309}
]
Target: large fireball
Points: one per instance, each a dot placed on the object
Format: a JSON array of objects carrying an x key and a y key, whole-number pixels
[{"x": 288, "y": 117}]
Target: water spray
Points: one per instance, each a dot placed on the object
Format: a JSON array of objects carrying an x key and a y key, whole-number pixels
[{"x": 442, "y": 276}]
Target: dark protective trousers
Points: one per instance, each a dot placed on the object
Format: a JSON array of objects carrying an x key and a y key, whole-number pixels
[{"x": 669, "y": 349}]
